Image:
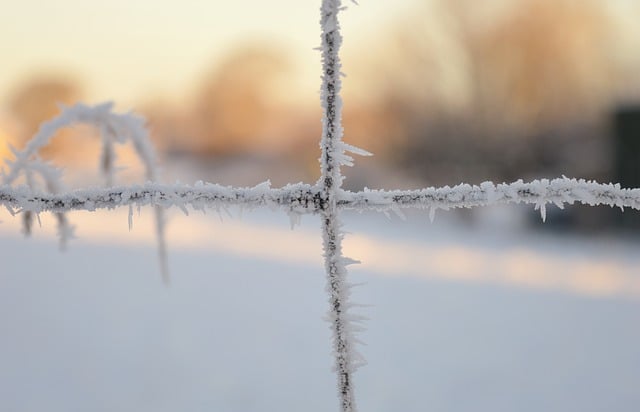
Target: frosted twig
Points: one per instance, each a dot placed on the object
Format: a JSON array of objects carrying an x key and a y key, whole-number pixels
[
  {"x": 114, "y": 128},
  {"x": 117, "y": 126}
]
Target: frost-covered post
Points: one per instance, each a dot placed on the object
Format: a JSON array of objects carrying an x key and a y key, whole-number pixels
[{"x": 333, "y": 156}]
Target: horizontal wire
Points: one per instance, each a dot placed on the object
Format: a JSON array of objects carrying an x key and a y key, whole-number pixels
[{"x": 305, "y": 198}]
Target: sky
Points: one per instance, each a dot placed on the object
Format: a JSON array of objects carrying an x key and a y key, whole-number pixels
[
  {"x": 121, "y": 49},
  {"x": 124, "y": 49}
]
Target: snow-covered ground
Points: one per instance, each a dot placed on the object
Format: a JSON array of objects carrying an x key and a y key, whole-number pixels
[{"x": 484, "y": 318}]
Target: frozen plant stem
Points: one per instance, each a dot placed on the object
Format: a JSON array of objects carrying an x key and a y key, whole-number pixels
[
  {"x": 114, "y": 128},
  {"x": 330, "y": 183}
]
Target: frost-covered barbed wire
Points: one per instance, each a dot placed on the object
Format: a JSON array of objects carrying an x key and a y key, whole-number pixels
[
  {"x": 303, "y": 198},
  {"x": 113, "y": 128}
]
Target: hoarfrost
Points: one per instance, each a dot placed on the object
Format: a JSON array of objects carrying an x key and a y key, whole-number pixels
[
  {"x": 325, "y": 199},
  {"x": 113, "y": 128}
]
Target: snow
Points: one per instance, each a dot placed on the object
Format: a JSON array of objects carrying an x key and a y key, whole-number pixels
[{"x": 240, "y": 326}]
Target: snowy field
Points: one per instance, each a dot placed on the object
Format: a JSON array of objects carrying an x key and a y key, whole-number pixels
[{"x": 490, "y": 317}]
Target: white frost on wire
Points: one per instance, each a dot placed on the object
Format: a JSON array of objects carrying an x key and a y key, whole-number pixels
[
  {"x": 113, "y": 128},
  {"x": 303, "y": 198},
  {"x": 297, "y": 198},
  {"x": 540, "y": 193},
  {"x": 344, "y": 324}
]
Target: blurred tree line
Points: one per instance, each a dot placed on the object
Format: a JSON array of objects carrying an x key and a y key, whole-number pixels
[
  {"x": 472, "y": 91},
  {"x": 456, "y": 90}
]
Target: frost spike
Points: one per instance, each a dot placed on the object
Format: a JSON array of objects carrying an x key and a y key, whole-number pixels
[
  {"x": 130, "y": 217},
  {"x": 356, "y": 150},
  {"x": 27, "y": 223}
]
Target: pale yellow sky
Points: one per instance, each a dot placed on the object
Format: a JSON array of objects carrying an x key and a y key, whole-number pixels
[
  {"x": 122, "y": 49},
  {"x": 133, "y": 50}
]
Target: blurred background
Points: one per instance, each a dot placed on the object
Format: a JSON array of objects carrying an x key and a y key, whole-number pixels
[
  {"x": 440, "y": 91},
  {"x": 491, "y": 310}
]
